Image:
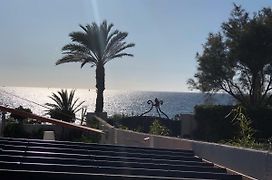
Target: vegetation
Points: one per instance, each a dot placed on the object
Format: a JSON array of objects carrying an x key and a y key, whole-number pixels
[
  {"x": 13, "y": 129},
  {"x": 116, "y": 121},
  {"x": 16, "y": 129},
  {"x": 96, "y": 45},
  {"x": 143, "y": 123},
  {"x": 18, "y": 117},
  {"x": 158, "y": 129},
  {"x": 238, "y": 59},
  {"x": 212, "y": 124},
  {"x": 88, "y": 138},
  {"x": 117, "y": 117},
  {"x": 245, "y": 137},
  {"x": 64, "y": 107},
  {"x": 246, "y": 134}
]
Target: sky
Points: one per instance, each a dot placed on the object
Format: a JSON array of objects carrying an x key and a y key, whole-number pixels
[{"x": 167, "y": 34}]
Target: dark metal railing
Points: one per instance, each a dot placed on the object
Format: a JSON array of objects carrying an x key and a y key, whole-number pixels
[
  {"x": 49, "y": 120},
  {"x": 157, "y": 103}
]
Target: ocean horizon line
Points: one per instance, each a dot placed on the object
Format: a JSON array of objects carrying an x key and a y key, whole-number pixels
[
  {"x": 93, "y": 89},
  {"x": 115, "y": 101}
]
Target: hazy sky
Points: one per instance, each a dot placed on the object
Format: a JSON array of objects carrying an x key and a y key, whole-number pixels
[{"x": 167, "y": 34}]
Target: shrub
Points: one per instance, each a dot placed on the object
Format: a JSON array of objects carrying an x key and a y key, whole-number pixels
[
  {"x": 245, "y": 137},
  {"x": 116, "y": 120},
  {"x": 95, "y": 138},
  {"x": 212, "y": 124},
  {"x": 158, "y": 129},
  {"x": 18, "y": 117},
  {"x": 261, "y": 121},
  {"x": 15, "y": 130},
  {"x": 143, "y": 123},
  {"x": 64, "y": 106}
]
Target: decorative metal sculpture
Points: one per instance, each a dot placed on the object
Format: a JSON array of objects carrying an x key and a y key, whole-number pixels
[{"x": 157, "y": 105}]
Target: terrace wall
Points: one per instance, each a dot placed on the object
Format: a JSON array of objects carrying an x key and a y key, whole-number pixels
[{"x": 257, "y": 164}]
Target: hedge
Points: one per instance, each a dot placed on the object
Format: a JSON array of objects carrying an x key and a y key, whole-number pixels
[
  {"x": 212, "y": 124},
  {"x": 143, "y": 123}
]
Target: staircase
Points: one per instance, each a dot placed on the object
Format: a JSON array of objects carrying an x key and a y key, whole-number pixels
[{"x": 55, "y": 160}]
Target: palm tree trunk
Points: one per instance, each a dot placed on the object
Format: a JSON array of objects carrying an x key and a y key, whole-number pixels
[{"x": 100, "y": 87}]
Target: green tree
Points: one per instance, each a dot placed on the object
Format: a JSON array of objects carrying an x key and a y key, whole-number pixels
[
  {"x": 238, "y": 59},
  {"x": 18, "y": 117},
  {"x": 64, "y": 107},
  {"x": 158, "y": 129},
  {"x": 96, "y": 45}
]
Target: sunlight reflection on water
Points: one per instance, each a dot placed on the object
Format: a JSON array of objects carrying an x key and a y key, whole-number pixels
[{"x": 115, "y": 101}]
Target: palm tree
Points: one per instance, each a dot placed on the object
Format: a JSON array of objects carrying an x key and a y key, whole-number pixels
[
  {"x": 96, "y": 45},
  {"x": 65, "y": 106}
]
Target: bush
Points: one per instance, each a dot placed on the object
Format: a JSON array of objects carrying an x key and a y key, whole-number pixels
[
  {"x": 116, "y": 120},
  {"x": 143, "y": 123},
  {"x": 18, "y": 117},
  {"x": 15, "y": 130},
  {"x": 212, "y": 124},
  {"x": 245, "y": 137},
  {"x": 261, "y": 122},
  {"x": 88, "y": 138},
  {"x": 158, "y": 129}
]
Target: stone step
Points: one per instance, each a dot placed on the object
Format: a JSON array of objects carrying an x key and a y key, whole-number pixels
[
  {"x": 115, "y": 170},
  {"x": 38, "y": 159},
  {"x": 46, "y": 175},
  {"x": 66, "y": 161},
  {"x": 95, "y": 152},
  {"x": 78, "y": 145},
  {"x": 101, "y": 157}
]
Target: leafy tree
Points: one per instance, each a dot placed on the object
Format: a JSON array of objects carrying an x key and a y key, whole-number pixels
[
  {"x": 238, "y": 59},
  {"x": 64, "y": 107},
  {"x": 96, "y": 45},
  {"x": 18, "y": 117},
  {"x": 158, "y": 129}
]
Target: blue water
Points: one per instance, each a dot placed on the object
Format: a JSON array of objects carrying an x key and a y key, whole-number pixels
[{"x": 115, "y": 101}]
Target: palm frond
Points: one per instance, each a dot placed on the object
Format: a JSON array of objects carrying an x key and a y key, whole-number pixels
[
  {"x": 76, "y": 57},
  {"x": 117, "y": 38},
  {"x": 125, "y": 47},
  {"x": 95, "y": 44},
  {"x": 118, "y": 56},
  {"x": 110, "y": 26},
  {"x": 71, "y": 97},
  {"x": 79, "y": 37},
  {"x": 56, "y": 99},
  {"x": 51, "y": 105},
  {"x": 64, "y": 106},
  {"x": 84, "y": 28},
  {"x": 69, "y": 59},
  {"x": 117, "y": 48},
  {"x": 72, "y": 47},
  {"x": 88, "y": 61},
  {"x": 75, "y": 107},
  {"x": 111, "y": 35}
]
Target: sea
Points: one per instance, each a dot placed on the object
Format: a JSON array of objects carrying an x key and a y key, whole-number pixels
[{"x": 115, "y": 101}]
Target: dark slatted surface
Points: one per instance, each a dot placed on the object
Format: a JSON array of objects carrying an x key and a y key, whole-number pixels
[{"x": 24, "y": 159}]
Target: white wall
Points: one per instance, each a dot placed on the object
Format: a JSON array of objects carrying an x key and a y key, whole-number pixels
[{"x": 257, "y": 164}]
